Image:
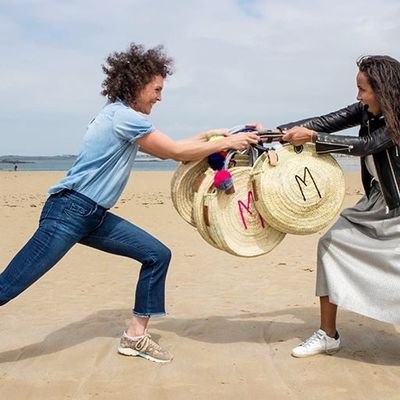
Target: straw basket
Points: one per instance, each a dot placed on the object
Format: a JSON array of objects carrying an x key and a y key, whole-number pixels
[
  {"x": 185, "y": 181},
  {"x": 302, "y": 193},
  {"x": 232, "y": 221},
  {"x": 183, "y": 186}
]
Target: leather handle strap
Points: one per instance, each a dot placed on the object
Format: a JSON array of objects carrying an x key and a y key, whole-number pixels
[{"x": 205, "y": 215}]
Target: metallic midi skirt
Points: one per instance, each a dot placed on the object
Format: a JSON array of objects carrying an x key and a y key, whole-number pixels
[{"x": 359, "y": 260}]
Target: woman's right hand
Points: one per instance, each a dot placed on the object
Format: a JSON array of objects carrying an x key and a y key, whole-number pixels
[
  {"x": 241, "y": 141},
  {"x": 299, "y": 135}
]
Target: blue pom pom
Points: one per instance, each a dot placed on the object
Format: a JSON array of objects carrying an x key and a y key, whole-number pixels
[
  {"x": 226, "y": 185},
  {"x": 216, "y": 161}
]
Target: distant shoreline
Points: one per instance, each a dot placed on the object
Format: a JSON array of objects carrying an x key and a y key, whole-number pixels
[
  {"x": 142, "y": 163},
  {"x": 5, "y": 161},
  {"x": 15, "y": 159},
  {"x": 141, "y": 156},
  {"x": 65, "y": 163}
]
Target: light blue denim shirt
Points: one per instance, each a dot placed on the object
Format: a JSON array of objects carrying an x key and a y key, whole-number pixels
[{"x": 105, "y": 160}]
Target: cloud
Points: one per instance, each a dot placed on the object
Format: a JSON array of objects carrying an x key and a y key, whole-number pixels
[{"x": 236, "y": 61}]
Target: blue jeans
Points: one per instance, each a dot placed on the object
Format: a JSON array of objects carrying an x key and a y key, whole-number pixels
[{"x": 68, "y": 218}]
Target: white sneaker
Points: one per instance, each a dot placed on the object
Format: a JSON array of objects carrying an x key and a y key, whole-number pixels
[{"x": 318, "y": 343}]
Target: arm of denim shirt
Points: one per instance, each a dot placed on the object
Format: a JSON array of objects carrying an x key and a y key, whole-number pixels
[{"x": 130, "y": 125}]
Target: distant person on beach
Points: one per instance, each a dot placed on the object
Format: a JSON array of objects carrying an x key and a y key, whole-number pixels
[
  {"x": 15, "y": 167},
  {"x": 77, "y": 209},
  {"x": 358, "y": 264}
]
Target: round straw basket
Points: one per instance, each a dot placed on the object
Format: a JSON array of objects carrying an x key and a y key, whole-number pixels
[
  {"x": 183, "y": 186},
  {"x": 302, "y": 193},
  {"x": 204, "y": 184},
  {"x": 233, "y": 222}
]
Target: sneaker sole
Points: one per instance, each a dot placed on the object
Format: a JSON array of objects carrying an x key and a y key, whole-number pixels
[{"x": 133, "y": 353}]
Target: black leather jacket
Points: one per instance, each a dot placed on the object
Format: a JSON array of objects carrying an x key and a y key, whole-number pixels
[{"x": 373, "y": 139}]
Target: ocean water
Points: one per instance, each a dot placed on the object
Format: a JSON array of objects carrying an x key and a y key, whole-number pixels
[
  {"x": 349, "y": 163},
  {"x": 63, "y": 164}
]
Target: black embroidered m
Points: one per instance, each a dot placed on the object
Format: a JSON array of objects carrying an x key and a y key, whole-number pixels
[{"x": 303, "y": 181}]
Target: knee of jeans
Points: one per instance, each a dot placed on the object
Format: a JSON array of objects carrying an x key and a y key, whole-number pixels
[{"x": 164, "y": 254}]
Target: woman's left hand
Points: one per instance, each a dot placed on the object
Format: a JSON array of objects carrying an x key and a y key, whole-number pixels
[{"x": 299, "y": 135}]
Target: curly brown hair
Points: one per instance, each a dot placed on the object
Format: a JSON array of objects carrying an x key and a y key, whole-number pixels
[
  {"x": 128, "y": 72},
  {"x": 383, "y": 74}
]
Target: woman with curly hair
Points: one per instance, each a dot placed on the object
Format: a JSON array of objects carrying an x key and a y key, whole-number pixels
[
  {"x": 77, "y": 208},
  {"x": 358, "y": 258}
]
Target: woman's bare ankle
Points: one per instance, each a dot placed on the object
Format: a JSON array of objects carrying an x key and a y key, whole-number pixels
[
  {"x": 137, "y": 326},
  {"x": 331, "y": 332}
]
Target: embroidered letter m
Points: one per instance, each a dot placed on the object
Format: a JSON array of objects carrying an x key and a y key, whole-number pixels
[
  {"x": 303, "y": 181},
  {"x": 247, "y": 207}
]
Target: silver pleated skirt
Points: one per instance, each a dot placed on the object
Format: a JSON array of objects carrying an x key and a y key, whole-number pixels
[{"x": 359, "y": 260}]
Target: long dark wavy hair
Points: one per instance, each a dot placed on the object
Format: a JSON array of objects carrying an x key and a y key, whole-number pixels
[
  {"x": 128, "y": 72},
  {"x": 383, "y": 74}
]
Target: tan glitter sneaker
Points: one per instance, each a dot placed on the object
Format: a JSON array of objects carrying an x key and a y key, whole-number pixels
[{"x": 144, "y": 347}]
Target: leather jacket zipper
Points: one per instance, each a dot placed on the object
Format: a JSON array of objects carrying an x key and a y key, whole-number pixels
[
  {"x": 391, "y": 171},
  {"x": 373, "y": 159},
  {"x": 393, "y": 174},
  {"x": 341, "y": 147}
]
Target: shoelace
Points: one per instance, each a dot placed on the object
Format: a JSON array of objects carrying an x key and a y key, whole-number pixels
[
  {"x": 145, "y": 343},
  {"x": 314, "y": 338}
]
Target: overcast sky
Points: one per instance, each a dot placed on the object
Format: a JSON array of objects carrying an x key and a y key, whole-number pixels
[{"x": 235, "y": 61}]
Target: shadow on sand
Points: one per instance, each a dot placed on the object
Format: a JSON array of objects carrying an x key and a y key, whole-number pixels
[{"x": 366, "y": 340}]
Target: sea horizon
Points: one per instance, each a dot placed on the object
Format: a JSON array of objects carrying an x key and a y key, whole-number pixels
[
  {"x": 143, "y": 162},
  {"x": 11, "y": 162}
]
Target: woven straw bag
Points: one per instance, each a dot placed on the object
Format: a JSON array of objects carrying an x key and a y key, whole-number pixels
[
  {"x": 182, "y": 187},
  {"x": 297, "y": 190},
  {"x": 185, "y": 181},
  {"x": 232, "y": 221},
  {"x": 203, "y": 185}
]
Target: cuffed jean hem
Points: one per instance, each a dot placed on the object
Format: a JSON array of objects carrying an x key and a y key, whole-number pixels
[{"x": 148, "y": 315}]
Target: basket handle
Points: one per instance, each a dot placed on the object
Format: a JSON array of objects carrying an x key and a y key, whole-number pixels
[
  {"x": 251, "y": 151},
  {"x": 253, "y": 185},
  {"x": 205, "y": 215}
]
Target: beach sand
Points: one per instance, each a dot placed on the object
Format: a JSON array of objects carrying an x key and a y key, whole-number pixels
[{"x": 231, "y": 323}]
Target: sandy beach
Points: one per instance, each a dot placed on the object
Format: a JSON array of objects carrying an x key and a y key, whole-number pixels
[{"x": 231, "y": 323}]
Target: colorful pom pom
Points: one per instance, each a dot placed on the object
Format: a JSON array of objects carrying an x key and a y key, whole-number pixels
[
  {"x": 223, "y": 181},
  {"x": 216, "y": 161}
]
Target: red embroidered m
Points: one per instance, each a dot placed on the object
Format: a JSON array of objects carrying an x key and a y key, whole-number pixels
[{"x": 247, "y": 207}]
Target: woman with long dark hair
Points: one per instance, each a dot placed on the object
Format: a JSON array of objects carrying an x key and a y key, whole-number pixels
[{"x": 358, "y": 264}]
